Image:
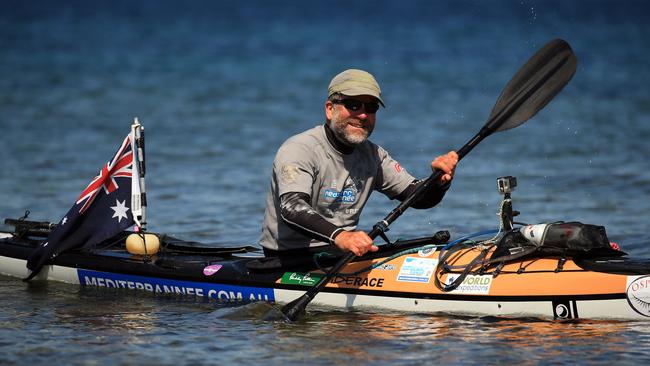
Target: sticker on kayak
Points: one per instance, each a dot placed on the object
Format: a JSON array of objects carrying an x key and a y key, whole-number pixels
[
  {"x": 472, "y": 285},
  {"x": 638, "y": 294},
  {"x": 426, "y": 252},
  {"x": 565, "y": 309},
  {"x": 417, "y": 269},
  {"x": 304, "y": 279},
  {"x": 216, "y": 291},
  {"x": 386, "y": 267},
  {"x": 211, "y": 269}
]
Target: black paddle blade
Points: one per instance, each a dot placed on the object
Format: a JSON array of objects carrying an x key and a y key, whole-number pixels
[
  {"x": 533, "y": 86},
  {"x": 297, "y": 307},
  {"x": 275, "y": 314}
]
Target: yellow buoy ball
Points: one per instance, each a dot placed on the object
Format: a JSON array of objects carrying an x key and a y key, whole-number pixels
[{"x": 135, "y": 244}]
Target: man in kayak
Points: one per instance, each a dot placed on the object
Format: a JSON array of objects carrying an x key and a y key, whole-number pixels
[{"x": 322, "y": 177}]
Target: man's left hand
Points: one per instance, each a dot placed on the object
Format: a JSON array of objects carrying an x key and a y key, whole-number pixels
[{"x": 447, "y": 164}]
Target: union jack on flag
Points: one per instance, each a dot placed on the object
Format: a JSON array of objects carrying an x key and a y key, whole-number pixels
[
  {"x": 119, "y": 166},
  {"x": 103, "y": 209}
]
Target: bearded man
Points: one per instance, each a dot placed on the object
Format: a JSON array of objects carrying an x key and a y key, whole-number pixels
[{"x": 323, "y": 177}]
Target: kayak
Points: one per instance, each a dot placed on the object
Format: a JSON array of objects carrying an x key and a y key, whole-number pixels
[{"x": 404, "y": 276}]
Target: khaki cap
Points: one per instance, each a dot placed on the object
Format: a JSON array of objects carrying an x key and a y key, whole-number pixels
[{"x": 353, "y": 82}]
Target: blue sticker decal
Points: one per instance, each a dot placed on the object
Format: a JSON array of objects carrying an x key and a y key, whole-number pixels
[
  {"x": 347, "y": 196},
  {"x": 167, "y": 286}
]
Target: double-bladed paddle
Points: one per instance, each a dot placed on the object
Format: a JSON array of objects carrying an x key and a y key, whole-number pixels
[{"x": 534, "y": 85}]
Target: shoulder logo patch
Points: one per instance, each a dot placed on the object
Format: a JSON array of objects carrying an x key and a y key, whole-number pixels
[{"x": 289, "y": 173}]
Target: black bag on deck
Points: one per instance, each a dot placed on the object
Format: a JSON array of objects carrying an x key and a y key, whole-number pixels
[{"x": 561, "y": 239}]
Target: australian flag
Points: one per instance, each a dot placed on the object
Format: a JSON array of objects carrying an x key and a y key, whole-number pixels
[{"x": 102, "y": 210}]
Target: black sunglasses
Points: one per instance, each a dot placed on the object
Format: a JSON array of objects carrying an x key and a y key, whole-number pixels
[{"x": 355, "y": 105}]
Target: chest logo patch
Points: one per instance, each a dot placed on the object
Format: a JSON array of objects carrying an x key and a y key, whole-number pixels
[{"x": 347, "y": 196}]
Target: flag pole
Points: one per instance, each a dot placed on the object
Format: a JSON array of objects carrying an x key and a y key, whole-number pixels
[{"x": 138, "y": 193}]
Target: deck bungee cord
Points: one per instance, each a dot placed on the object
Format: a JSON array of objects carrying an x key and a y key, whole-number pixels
[{"x": 318, "y": 257}]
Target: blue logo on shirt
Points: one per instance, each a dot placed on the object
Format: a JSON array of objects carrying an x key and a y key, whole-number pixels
[{"x": 347, "y": 196}]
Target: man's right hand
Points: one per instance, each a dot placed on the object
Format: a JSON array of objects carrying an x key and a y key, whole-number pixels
[{"x": 357, "y": 242}]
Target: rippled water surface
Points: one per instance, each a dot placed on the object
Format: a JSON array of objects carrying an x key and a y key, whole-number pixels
[{"x": 219, "y": 85}]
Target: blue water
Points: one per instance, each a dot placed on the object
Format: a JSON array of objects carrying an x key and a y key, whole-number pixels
[{"x": 219, "y": 86}]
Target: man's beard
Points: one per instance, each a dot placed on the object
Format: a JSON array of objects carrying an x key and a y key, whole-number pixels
[{"x": 350, "y": 138}]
